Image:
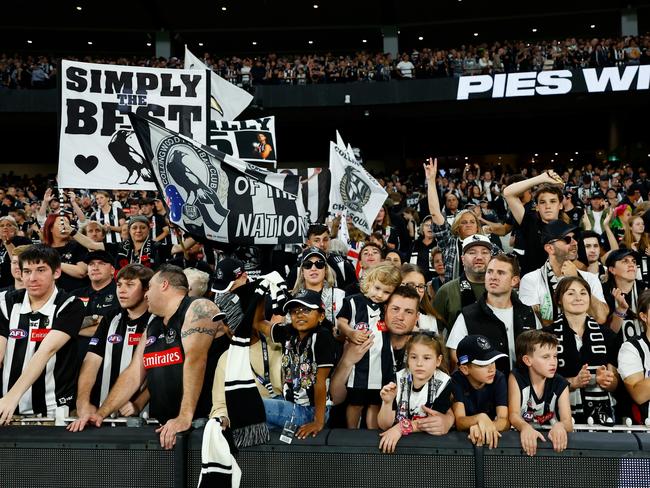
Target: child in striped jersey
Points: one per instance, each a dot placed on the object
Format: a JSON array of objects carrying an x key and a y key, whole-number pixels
[
  {"x": 361, "y": 319},
  {"x": 422, "y": 388}
]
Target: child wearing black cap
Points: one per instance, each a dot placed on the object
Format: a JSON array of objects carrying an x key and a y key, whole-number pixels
[
  {"x": 480, "y": 391},
  {"x": 307, "y": 360}
]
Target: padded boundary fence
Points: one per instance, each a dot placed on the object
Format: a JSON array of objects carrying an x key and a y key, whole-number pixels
[{"x": 123, "y": 457}]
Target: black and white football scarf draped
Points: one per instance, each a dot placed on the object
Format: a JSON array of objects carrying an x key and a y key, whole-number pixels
[
  {"x": 218, "y": 466},
  {"x": 592, "y": 400},
  {"x": 243, "y": 400}
]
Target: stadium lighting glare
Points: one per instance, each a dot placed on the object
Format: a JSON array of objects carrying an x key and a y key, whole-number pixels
[
  {"x": 310, "y": 42},
  {"x": 254, "y": 43},
  {"x": 224, "y": 8},
  {"x": 556, "y": 154},
  {"x": 536, "y": 154},
  {"x": 79, "y": 7},
  {"x": 364, "y": 40},
  {"x": 571, "y": 159},
  {"x": 315, "y": 5},
  {"x": 534, "y": 29},
  {"x": 420, "y": 38},
  {"x": 592, "y": 26},
  {"x": 552, "y": 160},
  {"x": 475, "y": 34},
  {"x": 148, "y": 44},
  {"x": 466, "y": 157},
  {"x": 576, "y": 152},
  {"x": 90, "y": 43},
  {"x": 200, "y": 44},
  {"x": 29, "y": 41}
]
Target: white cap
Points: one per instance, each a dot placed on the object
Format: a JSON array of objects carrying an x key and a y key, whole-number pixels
[{"x": 476, "y": 240}]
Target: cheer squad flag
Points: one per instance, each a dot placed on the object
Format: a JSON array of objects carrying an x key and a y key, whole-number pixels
[
  {"x": 315, "y": 191},
  {"x": 215, "y": 196},
  {"x": 353, "y": 189}
]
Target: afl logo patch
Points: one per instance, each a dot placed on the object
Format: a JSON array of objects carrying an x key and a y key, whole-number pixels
[
  {"x": 150, "y": 340},
  {"x": 114, "y": 339},
  {"x": 17, "y": 334}
]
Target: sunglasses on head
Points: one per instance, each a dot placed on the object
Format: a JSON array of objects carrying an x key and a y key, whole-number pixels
[
  {"x": 320, "y": 264},
  {"x": 566, "y": 239}
]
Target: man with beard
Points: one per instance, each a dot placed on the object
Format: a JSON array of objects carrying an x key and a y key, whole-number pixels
[
  {"x": 401, "y": 317},
  {"x": 465, "y": 290},
  {"x": 537, "y": 288}
]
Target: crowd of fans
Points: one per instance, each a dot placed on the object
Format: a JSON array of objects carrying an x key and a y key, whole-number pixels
[
  {"x": 481, "y": 301},
  {"x": 20, "y": 72}
]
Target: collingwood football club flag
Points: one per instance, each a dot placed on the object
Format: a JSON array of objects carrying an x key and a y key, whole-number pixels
[
  {"x": 315, "y": 191},
  {"x": 353, "y": 190},
  {"x": 227, "y": 101},
  {"x": 218, "y": 197}
]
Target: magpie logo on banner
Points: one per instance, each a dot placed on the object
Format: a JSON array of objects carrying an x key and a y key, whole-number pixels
[
  {"x": 358, "y": 193},
  {"x": 217, "y": 197}
]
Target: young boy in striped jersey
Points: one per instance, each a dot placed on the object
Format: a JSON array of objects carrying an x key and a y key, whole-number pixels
[{"x": 111, "y": 348}]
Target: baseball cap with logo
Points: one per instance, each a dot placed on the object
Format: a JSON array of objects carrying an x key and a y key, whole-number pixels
[
  {"x": 476, "y": 240},
  {"x": 556, "y": 229},
  {"x": 476, "y": 349},
  {"x": 307, "y": 298},
  {"x": 228, "y": 270}
]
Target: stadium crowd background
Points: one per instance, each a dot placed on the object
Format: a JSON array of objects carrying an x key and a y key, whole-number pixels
[{"x": 34, "y": 71}]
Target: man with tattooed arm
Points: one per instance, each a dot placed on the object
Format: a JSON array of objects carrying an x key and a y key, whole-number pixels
[{"x": 176, "y": 357}]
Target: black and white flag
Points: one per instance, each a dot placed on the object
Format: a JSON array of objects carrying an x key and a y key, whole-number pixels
[
  {"x": 315, "y": 191},
  {"x": 97, "y": 146},
  {"x": 353, "y": 190},
  {"x": 252, "y": 140},
  {"x": 213, "y": 195}
]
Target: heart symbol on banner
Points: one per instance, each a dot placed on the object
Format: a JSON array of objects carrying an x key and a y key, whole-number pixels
[{"x": 86, "y": 164}]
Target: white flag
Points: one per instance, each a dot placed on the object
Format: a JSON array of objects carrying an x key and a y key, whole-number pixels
[
  {"x": 227, "y": 100},
  {"x": 353, "y": 189}
]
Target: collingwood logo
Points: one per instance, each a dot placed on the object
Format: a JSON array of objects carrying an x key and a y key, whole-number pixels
[
  {"x": 355, "y": 192},
  {"x": 196, "y": 188}
]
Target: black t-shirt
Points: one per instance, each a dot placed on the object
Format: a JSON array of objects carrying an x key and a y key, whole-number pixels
[
  {"x": 531, "y": 230},
  {"x": 5, "y": 261},
  {"x": 71, "y": 253},
  {"x": 486, "y": 400},
  {"x": 98, "y": 302}
]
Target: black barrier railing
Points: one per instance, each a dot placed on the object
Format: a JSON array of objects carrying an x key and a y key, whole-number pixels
[{"x": 122, "y": 457}]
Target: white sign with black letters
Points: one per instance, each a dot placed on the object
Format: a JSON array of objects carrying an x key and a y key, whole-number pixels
[{"x": 98, "y": 148}]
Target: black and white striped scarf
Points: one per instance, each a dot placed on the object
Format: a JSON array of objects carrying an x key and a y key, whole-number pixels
[
  {"x": 243, "y": 400},
  {"x": 218, "y": 466}
]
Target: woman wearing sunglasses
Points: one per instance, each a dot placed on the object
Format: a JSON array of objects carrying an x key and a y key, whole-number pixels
[
  {"x": 316, "y": 275},
  {"x": 414, "y": 277}
]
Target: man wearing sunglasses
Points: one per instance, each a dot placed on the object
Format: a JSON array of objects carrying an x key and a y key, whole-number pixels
[{"x": 537, "y": 288}]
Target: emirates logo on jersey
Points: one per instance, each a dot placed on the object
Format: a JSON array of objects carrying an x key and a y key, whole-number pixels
[
  {"x": 160, "y": 359},
  {"x": 38, "y": 334},
  {"x": 134, "y": 339}
]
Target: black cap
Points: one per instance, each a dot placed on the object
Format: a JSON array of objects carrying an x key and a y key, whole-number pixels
[
  {"x": 556, "y": 229},
  {"x": 597, "y": 194},
  {"x": 307, "y": 298},
  {"x": 312, "y": 251},
  {"x": 476, "y": 349},
  {"x": 228, "y": 270},
  {"x": 619, "y": 254},
  {"x": 100, "y": 256}
]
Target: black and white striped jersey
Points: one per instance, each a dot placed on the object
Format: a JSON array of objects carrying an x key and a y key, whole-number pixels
[
  {"x": 363, "y": 314},
  {"x": 25, "y": 329},
  {"x": 115, "y": 342}
]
